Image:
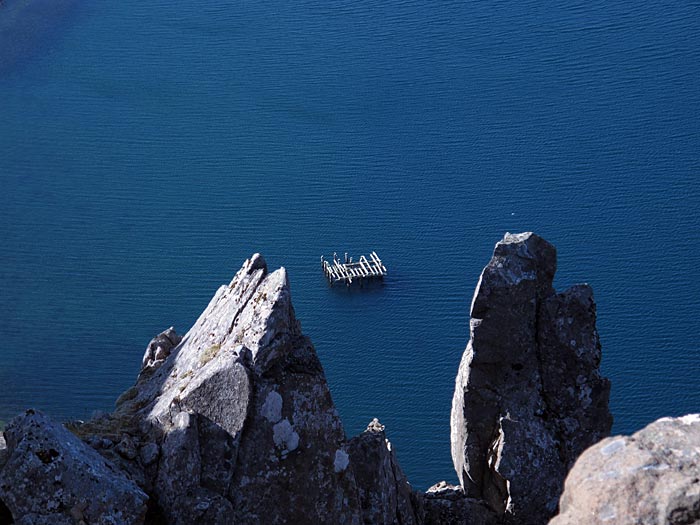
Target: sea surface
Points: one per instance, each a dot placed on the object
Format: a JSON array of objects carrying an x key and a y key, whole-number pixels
[{"x": 148, "y": 148}]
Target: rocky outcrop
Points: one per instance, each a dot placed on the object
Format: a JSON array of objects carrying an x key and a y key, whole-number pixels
[
  {"x": 385, "y": 494},
  {"x": 649, "y": 478},
  {"x": 234, "y": 422},
  {"x": 242, "y": 415},
  {"x": 51, "y": 477},
  {"x": 445, "y": 504},
  {"x": 529, "y": 397}
]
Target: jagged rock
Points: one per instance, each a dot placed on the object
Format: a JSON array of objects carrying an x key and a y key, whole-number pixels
[
  {"x": 149, "y": 453},
  {"x": 51, "y": 477},
  {"x": 649, "y": 478},
  {"x": 529, "y": 396},
  {"x": 445, "y": 504},
  {"x": 234, "y": 422},
  {"x": 160, "y": 347},
  {"x": 245, "y": 384},
  {"x": 375, "y": 426},
  {"x": 385, "y": 493},
  {"x": 126, "y": 448}
]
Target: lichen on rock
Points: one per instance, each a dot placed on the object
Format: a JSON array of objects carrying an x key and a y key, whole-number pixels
[
  {"x": 651, "y": 477},
  {"x": 529, "y": 397}
]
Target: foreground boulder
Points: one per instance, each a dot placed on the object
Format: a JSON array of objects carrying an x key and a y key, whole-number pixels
[
  {"x": 529, "y": 397},
  {"x": 51, "y": 477},
  {"x": 649, "y": 478}
]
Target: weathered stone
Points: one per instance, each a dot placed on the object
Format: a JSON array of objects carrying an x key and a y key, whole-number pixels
[
  {"x": 149, "y": 453},
  {"x": 385, "y": 493},
  {"x": 445, "y": 504},
  {"x": 3, "y": 450},
  {"x": 126, "y": 448},
  {"x": 649, "y": 478},
  {"x": 179, "y": 486},
  {"x": 257, "y": 397},
  {"x": 160, "y": 347},
  {"x": 374, "y": 426},
  {"x": 529, "y": 396},
  {"x": 50, "y": 473}
]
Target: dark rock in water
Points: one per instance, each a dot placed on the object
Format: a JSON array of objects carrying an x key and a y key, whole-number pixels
[
  {"x": 651, "y": 478},
  {"x": 52, "y": 477},
  {"x": 445, "y": 504},
  {"x": 385, "y": 493},
  {"x": 529, "y": 397}
]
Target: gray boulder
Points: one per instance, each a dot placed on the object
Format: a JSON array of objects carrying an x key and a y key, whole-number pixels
[
  {"x": 385, "y": 493},
  {"x": 649, "y": 478},
  {"x": 529, "y": 397},
  {"x": 53, "y": 477}
]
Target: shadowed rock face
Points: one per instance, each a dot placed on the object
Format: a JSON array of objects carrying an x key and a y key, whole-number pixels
[
  {"x": 650, "y": 478},
  {"x": 529, "y": 397},
  {"x": 51, "y": 477},
  {"x": 445, "y": 504}
]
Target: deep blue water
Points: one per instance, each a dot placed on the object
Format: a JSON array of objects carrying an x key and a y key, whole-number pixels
[{"x": 148, "y": 148}]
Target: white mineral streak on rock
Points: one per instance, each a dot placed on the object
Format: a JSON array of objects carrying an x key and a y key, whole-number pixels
[{"x": 613, "y": 447}]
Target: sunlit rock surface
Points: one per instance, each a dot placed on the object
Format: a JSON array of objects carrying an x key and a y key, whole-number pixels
[{"x": 649, "y": 478}]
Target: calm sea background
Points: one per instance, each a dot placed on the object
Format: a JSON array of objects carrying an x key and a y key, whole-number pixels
[{"x": 148, "y": 148}]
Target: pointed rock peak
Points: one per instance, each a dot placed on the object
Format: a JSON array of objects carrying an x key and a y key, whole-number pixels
[
  {"x": 522, "y": 267},
  {"x": 529, "y": 396},
  {"x": 375, "y": 426},
  {"x": 253, "y": 269},
  {"x": 269, "y": 317},
  {"x": 256, "y": 262},
  {"x": 528, "y": 246}
]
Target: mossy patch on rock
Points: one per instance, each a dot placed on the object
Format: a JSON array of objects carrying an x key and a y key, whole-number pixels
[{"x": 209, "y": 354}]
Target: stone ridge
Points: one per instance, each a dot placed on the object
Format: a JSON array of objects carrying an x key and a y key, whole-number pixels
[
  {"x": 528, "y": 397},
  {"x": 234, "y": 423}
]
